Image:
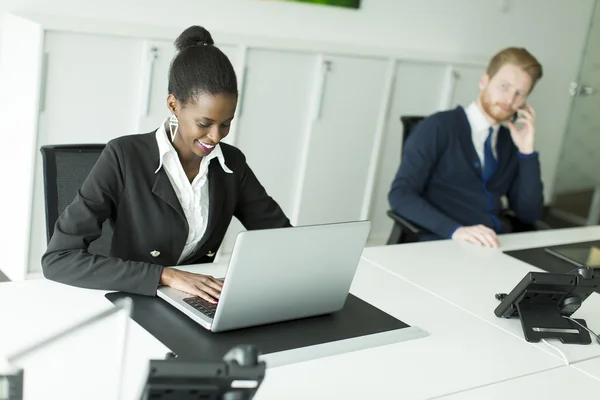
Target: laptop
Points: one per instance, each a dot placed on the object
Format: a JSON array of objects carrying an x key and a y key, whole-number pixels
[{"x": 280, "y": 274}]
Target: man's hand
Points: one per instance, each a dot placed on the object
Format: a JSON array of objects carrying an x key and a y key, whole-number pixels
[
  {"x": 524, "y": 137},
  {"x": 203, "y": 286},
  {"x": 478, "y": 234}
]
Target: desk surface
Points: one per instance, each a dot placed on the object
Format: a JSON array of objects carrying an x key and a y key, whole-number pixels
[
  {"x": 439, "y": 287},
  {"x": 469, "y": 276},
  {"x": 530, "y": 240},
  {"x": 590, "y": 367},
  {"x": 36, "y": 309},
  {"x": 461, "y": 351},
  {"x": 560, "y": 383}
]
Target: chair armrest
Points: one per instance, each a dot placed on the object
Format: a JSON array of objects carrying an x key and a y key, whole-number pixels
[
  {"x": 522, "y": 227},
  {"x": 405, "y": 223},
  {"x": 542, "y": 226}
]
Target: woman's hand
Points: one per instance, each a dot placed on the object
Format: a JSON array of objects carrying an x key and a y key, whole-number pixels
[{"x": 203, "y": 286}]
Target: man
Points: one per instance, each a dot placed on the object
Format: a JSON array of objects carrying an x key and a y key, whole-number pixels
[{"x": 458, "y": 164}]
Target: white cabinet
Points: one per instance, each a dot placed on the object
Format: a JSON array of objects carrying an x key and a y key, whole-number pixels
[
  {"x": 89, "y": 96},
  {"x": 272, "y": 122},
  {"x": 341, "y": 139},
  {"x": 90, "y": 90},
  {"x": 153, "y": 80},
  {"x": 272, "y": 118},
  {"x": 21, "y": 48},
  {"x": 417, "y": 91}
]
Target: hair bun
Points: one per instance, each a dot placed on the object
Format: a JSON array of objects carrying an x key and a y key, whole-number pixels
[{"x": 192, "y": 37}]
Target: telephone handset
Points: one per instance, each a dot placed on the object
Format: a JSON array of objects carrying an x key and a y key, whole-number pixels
[{"x": 516, "y": 116}]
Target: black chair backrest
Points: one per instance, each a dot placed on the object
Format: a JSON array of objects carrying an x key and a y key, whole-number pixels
[
  {"x": 65, "y": 168},
  {"x": 408, "y": 124}
]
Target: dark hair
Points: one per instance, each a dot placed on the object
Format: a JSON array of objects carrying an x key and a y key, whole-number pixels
[{"x": 200, "y": 67}]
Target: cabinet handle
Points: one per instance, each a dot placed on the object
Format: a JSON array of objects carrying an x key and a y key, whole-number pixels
[
  {"x": 449, "y": 90},
  {"x": 575, "y": 89},
  {"x": 151, "y": 61},
  {"x": 243, "y": 92},
  {"x": 44, "y": 82},
  {"x": 324, "y": 70}
]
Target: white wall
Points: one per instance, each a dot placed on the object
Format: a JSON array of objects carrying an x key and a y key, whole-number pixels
[{"x": 464, "y": 28}]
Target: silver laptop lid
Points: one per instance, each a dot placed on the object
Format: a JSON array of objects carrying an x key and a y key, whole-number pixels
[{"x": 289, "y": 273}]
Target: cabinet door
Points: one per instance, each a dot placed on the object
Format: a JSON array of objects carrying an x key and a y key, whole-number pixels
[
  {"x": 153, "y": 84},
  {"x": 90, "y": 97},
  {"x": 21, "y": 49},
  {"x": 416, "y": 92},
  {"x": 91, "y": 88},
  {"x": 466, "y": 85},
  {"x": 341, "y": 139},
  {"x": 234, "y": 53},
  {"x": 272, "y": 119},
  {"x": 155, "y": 61}
]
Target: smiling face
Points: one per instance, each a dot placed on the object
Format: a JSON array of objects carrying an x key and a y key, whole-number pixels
[
  {"x": 505, "y": 92},
  {"x": 203, "y": 123}
]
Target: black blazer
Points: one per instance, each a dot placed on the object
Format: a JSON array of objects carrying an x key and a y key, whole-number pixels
[{"x": 146, "y": 216}]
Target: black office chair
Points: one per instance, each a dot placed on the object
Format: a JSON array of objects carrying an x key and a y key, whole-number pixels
[
  {"x": 65, "y": 168},
  {"x": 405, "y": 231},
  {"x": 409, "y": 122}
]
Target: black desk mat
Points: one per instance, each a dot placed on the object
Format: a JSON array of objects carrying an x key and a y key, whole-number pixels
[
  {"x": 190, "y": 341},
  {"x": 538, "y": 257}
]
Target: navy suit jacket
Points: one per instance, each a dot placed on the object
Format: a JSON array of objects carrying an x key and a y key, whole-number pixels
[{"x": 439, "y": 183}]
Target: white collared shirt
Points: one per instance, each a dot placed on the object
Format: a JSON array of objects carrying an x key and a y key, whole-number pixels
[
  {"x": 480, "y": 130},
  {"x": 193, "y": 196}
]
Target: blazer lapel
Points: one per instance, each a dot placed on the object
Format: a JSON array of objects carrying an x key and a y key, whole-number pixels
[
  {"x": 466, "y": 144},
  {"x": 163, "y": 189},
  {"x": 216, "y": 198}
]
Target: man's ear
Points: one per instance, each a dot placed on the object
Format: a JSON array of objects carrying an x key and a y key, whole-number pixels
[{"x": 483, "y": 82}]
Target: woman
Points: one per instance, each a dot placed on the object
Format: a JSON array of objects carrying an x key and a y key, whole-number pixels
[{"x": 170, "y": 194}]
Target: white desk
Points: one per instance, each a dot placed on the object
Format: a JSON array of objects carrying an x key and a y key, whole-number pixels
[
  {"x": 590, "y": 367},
  {"x": 35, "y": 309},
  {"x": 462, "y": 351},
  {"x": 553, "y": 237},
  {"x": 468, "y": 277},
  {"x": 556, "y": 384}
]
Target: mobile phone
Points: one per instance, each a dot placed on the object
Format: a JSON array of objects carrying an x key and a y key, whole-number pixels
[{"x": 516, "y": 116}]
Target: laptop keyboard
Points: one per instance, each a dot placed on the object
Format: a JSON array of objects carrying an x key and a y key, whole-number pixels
[{"x": 202, "y": 305}]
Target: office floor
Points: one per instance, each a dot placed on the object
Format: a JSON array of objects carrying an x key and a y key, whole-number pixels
[
  {"x": 556, "y": 222},
  {"x": 575, "y": 203}
]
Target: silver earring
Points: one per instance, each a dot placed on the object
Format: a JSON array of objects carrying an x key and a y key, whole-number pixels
[{"x": 173, "y": 126}]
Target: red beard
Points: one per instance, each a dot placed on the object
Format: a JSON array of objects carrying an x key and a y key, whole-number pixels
[{"x": 493, "y": 109}]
